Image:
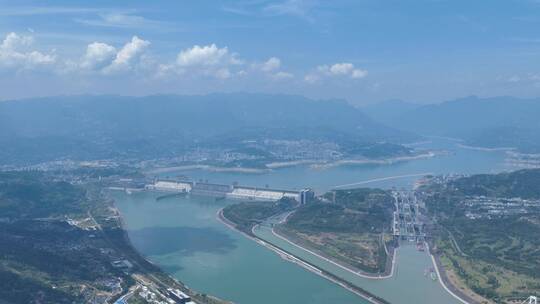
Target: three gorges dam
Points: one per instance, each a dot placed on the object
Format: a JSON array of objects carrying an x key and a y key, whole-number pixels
[{"x": 224, "y": 191}]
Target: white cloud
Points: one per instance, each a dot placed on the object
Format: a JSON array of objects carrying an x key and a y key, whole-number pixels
[
  {"x": 271, "y": 65},
  {"x": 209, "y": 61},
  {"x": 358, "y": 73},
  {"x": 106, "y": 59},
  {"x": 128, "y": 55},
  {"x": 344, "y": 69},
  {"x": 341, "y": 68},
  {"x": 130, "y": 50},
  {"x": 271, "y": 68},
  {"x": 15, "y": 53},
  {"x": 98, "y": 55},
  {"x": 203, "y": 56},
  {"x": 12, "y": 42}
]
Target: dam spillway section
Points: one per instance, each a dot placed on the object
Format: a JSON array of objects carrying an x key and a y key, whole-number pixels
[{"x": 224, "y": 191}]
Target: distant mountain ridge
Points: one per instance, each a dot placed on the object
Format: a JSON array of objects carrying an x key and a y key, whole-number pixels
[
  {"x": 389, "y": 110},
  {"x": 487, "y": 122},
  {"x": 108, "y": 126}
]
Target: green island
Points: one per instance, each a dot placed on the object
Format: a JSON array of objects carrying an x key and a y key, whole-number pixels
[
  {"x": 64, "y": 243},
  {"x": 347, "y": 226},
  {"x": 487, "y": 233}
]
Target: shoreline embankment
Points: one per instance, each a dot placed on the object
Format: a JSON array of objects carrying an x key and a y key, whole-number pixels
[
  {"x": 314, "y": 164},
  {"x": 306, "y": 265}
]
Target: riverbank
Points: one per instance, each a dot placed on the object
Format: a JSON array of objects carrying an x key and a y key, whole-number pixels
[
  {"x": 390, "y": 262},
  {"x": 300, "y": 262},
  {"x": 384, "y": 161},
  {"x": 150, "y": 270},
  {"x": 477, "y": 148},
  {"x": 386, "y": 275},
  {"x": 250, "y": 273},
  {"x": 294, "y": 163},
  {"x": 314, "y": 164},
  {"x": 208, "y": 168},
  {"x": 445, "y": 281}
]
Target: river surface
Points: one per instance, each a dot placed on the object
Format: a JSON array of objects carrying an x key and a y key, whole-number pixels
[{"x": 183, "y": 236}]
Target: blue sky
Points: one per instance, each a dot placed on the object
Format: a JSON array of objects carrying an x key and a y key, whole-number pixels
[{"x": 362, "y": 50}]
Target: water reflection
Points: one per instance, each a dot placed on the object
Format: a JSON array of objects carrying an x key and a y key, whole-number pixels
[{"x": 182, "y": 240}]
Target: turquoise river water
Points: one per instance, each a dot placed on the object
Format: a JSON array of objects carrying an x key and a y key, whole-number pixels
[{"x": 183, "y": 236}]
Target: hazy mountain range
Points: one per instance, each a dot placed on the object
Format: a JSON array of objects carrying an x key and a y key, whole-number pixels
[
  {"x": 486, "y": 122},
  {"x": 109, "y": 126},
  {"x": 93, "y": 127}
]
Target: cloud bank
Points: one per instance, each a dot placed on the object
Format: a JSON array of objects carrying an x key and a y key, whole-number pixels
[
  {"x": 135, "y": 58},
  {"x": 15, "y": 54}
]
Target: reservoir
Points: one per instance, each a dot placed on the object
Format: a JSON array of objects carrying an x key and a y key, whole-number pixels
[{"x": 183, "y": 236}]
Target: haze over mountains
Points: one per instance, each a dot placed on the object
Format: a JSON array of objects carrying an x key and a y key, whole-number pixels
[
  {"x": 94, "y": 127},
  {"x": 90, "y": 127},
  {"x": 486, "y": 122}
]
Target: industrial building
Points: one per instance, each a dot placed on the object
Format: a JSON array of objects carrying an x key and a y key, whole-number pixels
[
  {"x": 179, "y": 297},
  {"x": 170, "y": 186},
  {"x": 250, "y": 193},
  {"x": 213, "y": 190},
  {"x": 306, "y": 196},
  {"x": 233, "y": 192}
]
